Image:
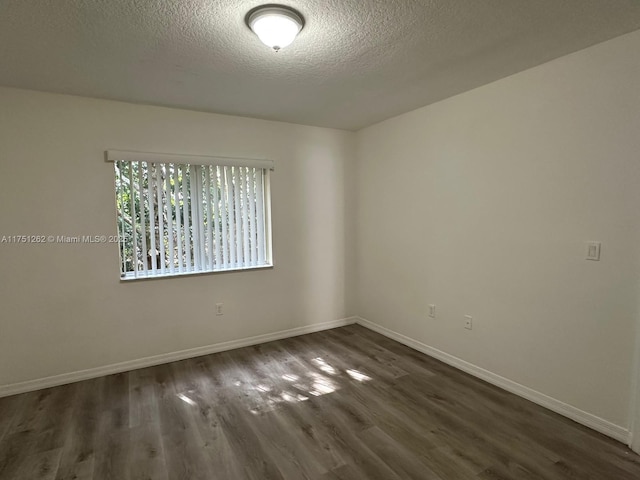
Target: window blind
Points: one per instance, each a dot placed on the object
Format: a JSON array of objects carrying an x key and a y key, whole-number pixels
[{"x": 179, "y": 218}]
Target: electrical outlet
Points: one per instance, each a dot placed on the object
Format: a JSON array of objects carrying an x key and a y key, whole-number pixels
[
  {"x": 432, "y": 311},
  {"x": 219, "y": 310},
  {"x": 468, "y": 322}
]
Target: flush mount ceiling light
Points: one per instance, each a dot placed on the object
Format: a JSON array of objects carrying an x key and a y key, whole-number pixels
[{"x": 275, "y": 25}]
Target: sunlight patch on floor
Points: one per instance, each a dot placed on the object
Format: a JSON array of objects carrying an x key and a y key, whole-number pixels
[
  {"x": 324, "y": 366},
  {"x": 359, "y": 376},
  {"x": 186, "y": 399},
  {"x": 313, "y": 383}
]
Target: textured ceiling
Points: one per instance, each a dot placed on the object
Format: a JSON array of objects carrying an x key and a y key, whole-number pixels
[{"x": 355, "y": 63}]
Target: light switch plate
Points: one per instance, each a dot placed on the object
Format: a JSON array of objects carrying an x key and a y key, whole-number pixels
[{"x": 593, "y": 251}]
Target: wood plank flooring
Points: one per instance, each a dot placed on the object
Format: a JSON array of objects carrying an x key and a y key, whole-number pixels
[{"x": 344, "y": 404}]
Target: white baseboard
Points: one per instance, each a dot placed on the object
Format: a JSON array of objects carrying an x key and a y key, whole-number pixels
[
  {"x": 587, "y": 419},
  {"x": 40, "y": 383}
]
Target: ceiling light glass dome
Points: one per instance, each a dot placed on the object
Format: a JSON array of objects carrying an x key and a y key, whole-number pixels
[{"x": 275, "y": 25}]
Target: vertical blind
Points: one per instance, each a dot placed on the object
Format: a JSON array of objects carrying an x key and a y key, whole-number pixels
[{"x": 178, "y": 218}]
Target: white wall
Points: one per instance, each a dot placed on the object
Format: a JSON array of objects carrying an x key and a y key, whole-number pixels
[
  {"x": 481, "y": 204},
  {"x": 63, "y": 307}
]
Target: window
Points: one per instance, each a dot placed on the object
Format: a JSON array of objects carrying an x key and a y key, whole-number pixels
[{"x": 181, "y": 214}]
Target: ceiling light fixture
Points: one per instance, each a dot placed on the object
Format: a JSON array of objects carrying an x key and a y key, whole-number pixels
[{"x": 275, "y": 25}]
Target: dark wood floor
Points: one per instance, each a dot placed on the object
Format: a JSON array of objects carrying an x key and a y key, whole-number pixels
[{"x": 342, "y": 404}]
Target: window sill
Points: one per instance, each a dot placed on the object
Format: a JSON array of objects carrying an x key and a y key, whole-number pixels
[{"x": 161, "y": 276}]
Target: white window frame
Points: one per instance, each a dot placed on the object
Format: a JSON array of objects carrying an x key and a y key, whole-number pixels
[{"x": 246, "y": 245}]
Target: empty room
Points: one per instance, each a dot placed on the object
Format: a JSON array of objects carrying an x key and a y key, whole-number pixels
[{"x": 322, "y": 239}]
